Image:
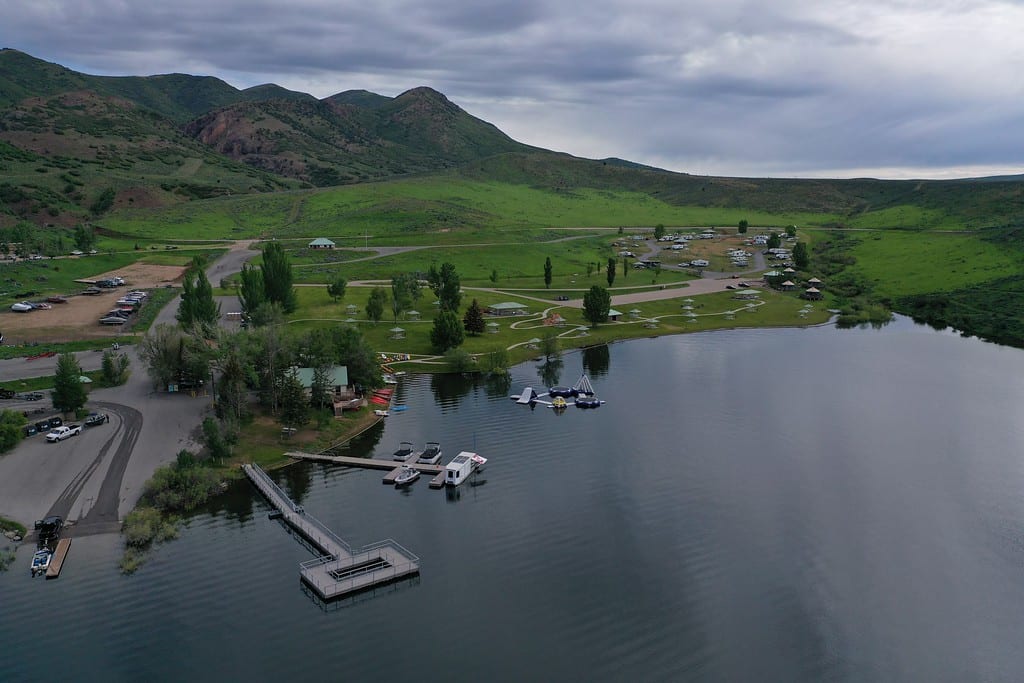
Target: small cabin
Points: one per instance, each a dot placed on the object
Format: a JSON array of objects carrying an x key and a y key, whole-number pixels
[
  {"x": 458, "y": 469},
  {"x": 508, "y": 308}
]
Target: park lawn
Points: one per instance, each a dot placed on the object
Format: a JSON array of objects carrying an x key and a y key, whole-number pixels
[
  {"x": 902, "y": 263},
  {"x": 779, "y": 309},
  {"x": 516, "y": 264}
]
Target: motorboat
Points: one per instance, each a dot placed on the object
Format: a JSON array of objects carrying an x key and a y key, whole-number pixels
[
  {"x": 404, "y": 451},
  {"x": 431, "y": 453},
  {"x": 41, "y": 560},
  {"x": 380, "y": 413},
  {"x": 22, "y": 307},
  {"x": 113, "y": 320},
  {"x": 406, "y": 476}
]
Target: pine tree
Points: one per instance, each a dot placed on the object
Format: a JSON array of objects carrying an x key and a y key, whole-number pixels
[
  {"x": 294, "y": 406},
  {"x": 474, "y": 319},
  {"x": 610, "y": 271},
  {"x": 68, "y": 393},
  {"x": 547, "y": 272}
]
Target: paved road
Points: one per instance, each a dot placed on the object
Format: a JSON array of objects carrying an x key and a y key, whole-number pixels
[
  {"x": 19, "y": 368},
  {"x": 96, "y": 478}
]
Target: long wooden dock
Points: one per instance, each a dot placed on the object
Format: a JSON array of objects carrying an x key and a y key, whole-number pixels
[
  {"x": 57, "y": 561},
  {"x": 341, "y": 570},
  {"x": 393, "y": 466}
]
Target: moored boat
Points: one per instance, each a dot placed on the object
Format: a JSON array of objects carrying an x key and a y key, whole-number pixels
[
  {"x": 406, "y": 476},
  {"x": 431, "y": 453},
  {"x": 404, "y": 451},
  {"x": 41, "y": 560}
]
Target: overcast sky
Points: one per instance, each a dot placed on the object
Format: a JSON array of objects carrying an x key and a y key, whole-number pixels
[{"x": 899, "y": 88}]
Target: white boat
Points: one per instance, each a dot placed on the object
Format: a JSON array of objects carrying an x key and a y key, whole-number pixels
[
  {"x": 431, "y": 453},
  {"x": 41, "y": 560},
  {"x": 404, "y": 451},
  {"x": 22, "y": 307},
  {"x": 461, "y": 466},
  {"x": 406, "y": 476},
  {"x": 380, "y": 413}
]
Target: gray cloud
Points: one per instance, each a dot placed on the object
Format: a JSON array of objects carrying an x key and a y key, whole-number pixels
[{"x": 730, "y": 86}]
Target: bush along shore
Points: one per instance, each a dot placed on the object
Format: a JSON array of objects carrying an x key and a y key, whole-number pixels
[{"x": 172, "y": 490}]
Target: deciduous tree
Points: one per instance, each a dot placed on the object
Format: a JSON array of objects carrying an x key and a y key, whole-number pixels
[
  {"x": 447, "y": 331},
  {"x": 375, "y": 304},
  {"x": 742, "y": 227},
  {"x": 609, "y": 272},
  {"x": 68, "y": 393},
  {"x": 445, "y": 284},
  {"x": 336, "y": 290},
  {"x": 547, "y": 272},
  {"x": 277, "y": 277},
  {"x": 800, "y": 256},
  {"x": 596, "y": 304}
]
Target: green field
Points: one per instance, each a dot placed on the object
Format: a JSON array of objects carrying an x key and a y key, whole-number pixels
[
  {"x": 438, "y": 208},
  {"x": 901, "y": 263}
]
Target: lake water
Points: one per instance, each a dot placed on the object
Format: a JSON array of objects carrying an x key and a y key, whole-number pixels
[{"x": 749, "y": 505}]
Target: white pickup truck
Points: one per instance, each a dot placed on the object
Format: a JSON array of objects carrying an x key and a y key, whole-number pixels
[{"x": 61, "y": 433}]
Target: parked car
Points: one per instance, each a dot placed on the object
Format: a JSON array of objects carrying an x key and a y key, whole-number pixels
[
  {"x": 60, "y": 433},
  {"x": 42, "y": 426},
  {"x": 96, "y": 419},
  {"x": 49, "y": 529},
  {"x": 77, "y": 252},
  {"x": 55, "y": 422},
  {"x": 561, "y": 297},
  {"x": 22, "y": 307},
  {"x": 31, "y": 396}
]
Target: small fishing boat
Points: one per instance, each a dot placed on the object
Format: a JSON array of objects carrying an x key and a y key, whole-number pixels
[
  {"x": 431, "y": 453},
  {"x": 406, "y": 476},
  {"x": 404, "y": 451},
  {"x": 380, "y": 413},
  {"x": 41, "y": 560}
]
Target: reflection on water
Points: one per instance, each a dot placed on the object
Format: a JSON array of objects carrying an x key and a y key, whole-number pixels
[
  {"x": 596, "y": 360},
  {"x": 786, "y": 505},
  {"x": 550, "y": 372}
]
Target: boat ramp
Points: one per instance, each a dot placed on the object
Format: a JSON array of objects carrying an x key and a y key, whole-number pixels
[{"x": 341, "y": 570}]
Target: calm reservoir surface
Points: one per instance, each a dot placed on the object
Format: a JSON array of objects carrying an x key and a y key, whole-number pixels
[{"x": 753, "y": 505}]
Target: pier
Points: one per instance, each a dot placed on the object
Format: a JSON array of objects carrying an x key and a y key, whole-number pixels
[
  {"x": 57, "y": 561},
  {"x": 341, "y": 569},
  {"x": 392, "y": 466}
]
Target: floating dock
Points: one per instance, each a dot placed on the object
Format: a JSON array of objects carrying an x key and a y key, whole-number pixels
[
  {"x": 341, "y": 570},
  {"x": 57, "y": 561},
  {"x": 376, "y": 464}
]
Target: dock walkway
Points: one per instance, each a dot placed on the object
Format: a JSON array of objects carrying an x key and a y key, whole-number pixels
[
  {"x": 392, "y": 466},
  {"x": 57, "y": 561},
  {"x": 341, "y": 569}
]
